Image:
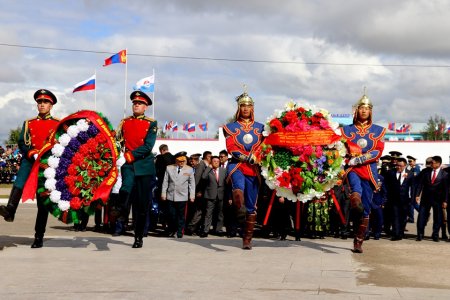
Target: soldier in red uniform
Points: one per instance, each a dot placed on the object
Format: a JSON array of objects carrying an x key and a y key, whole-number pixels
[
  {"x": 32, "y": 137},
  {"x": 137, "y": 134}
]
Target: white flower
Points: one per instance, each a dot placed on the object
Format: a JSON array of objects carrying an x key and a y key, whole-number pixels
[
  {"x": 49, "y": 173},
  {"x": 324, "y": 113},
  {"x": 73, "y": 131},
  {"x": 291, "y": 105},
  {"x": 82, "y": 125},
  {"x": 50, "y": 184},
  {"x": 55, "y": 196},
  {"x": 53, "y": 162},
  {"x": 58, "y": 150},
  {"x": 64, "y": 205},
  {"x": 64, "y": 139}
]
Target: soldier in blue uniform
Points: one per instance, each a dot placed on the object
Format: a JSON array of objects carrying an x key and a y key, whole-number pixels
[
  {"x": 137, "y": 134},
  {"x": 243, "y": 137},
  {"x": 365, "y": 145}
]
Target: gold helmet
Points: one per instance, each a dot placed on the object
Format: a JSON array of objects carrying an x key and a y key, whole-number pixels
[
  {"x": 364, "y": 101},
  {"x": 244, "y": 99}
]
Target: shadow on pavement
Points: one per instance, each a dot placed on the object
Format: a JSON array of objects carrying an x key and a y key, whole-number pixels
[
  {"x": 215, "y": 243},
  {"x": 101, "y": 243}
]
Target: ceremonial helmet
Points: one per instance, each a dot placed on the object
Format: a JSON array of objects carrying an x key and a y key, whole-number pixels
[
  {"x": 363, "y": 101},
  {"x": 244, "y": 99}
]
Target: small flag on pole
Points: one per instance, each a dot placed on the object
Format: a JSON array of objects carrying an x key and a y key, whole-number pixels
[
  {"x": 146, "y": 84},
  {"x": 120, "y": 57},
  {"x": 85, "y": 85},
  {"x": 191, "y": 127},
  {"x": 203, "y": 127},
  {"x": 391, "y": 126},
  {"x": 175, "y": 127}
]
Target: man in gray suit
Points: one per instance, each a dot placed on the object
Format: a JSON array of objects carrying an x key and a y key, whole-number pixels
[
  {"x": 214, "y": 178},
  {"x": 178, "y": 186}
]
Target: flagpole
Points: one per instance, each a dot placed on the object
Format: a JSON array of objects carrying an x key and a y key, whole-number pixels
[
  {"x": 126, "y": 75},
  {"x": 95, "y": 90},
  {"x": 153, "y": 106}
]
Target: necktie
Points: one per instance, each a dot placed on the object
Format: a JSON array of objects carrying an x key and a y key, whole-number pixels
[
  {"x": 179, "y": 170},
  {"x": 217, "y": 175},
  {"x": 434, "y": 177},
  {"x": 399, "y": 177}
]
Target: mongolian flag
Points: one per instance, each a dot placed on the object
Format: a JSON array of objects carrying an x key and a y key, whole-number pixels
[
  {"x": 203, "y": 127},
  {"x": 391, "y": 126},
  {"x": 120, "y": 57}
]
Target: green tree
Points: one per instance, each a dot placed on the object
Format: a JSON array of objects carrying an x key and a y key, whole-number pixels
[
  {"x": 435, "y": 129},
  {"x": 13, "y": 136}
]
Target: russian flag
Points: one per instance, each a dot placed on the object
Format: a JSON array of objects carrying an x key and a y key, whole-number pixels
[
  {"x": 120, "y": 57},
  {"x": 86, "y": 85},
  {"x": 203, "y": 127},
  {"x": 391, "y": 126},
  {"x": 191, "y": 127},
  {"x": 175, "y": 127},
  {"x": 146, "y": 84}
]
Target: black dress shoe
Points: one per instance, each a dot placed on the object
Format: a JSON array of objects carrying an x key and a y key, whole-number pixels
[
  {"x": 419, "y": 237},
  {"x": 38, "y": 243},
  {"x": 203, "y": 235},
  {"x": 137, "y": 243},
  {"x": 435, "y": 239}
]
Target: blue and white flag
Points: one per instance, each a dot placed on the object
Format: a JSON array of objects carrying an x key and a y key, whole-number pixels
[{"x": 146, "y": 85}]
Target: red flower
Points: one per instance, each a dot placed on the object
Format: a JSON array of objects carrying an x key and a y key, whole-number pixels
[
  {"x": 97, "y": 155},
  {"x": 275, "y": 123},
  {"x": 284, "y": 179},
  {"x": 296, "y": 178},
  {"x": 101, "y": 173},
  {"x": 75, "y": 203},
  {"x": 301, "y": 110},
  {"x": 83, "y": 165},
  {"x": 72, "y": 170},
  {"x": 291, "y": 117},
  {"x": 107, "y": 155}
]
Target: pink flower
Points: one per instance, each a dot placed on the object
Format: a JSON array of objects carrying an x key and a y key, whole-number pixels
[{"x": 324, "y": 124}]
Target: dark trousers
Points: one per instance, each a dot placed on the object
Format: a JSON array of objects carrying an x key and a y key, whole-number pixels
[
  {"x": 196, "y": 214},
  {"x": 376, "y": 221},
  {"x": 400, "y": 214},
  {"x": 213, "y": 212},
  {"x": 142, "y": 201},
  {"x": 41, "y": 218},
  {"x": 177, "y": 216},
  {"x": 424, "y": 212}
]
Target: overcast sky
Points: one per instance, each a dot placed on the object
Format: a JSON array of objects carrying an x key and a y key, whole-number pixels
[{"x": 351, "y": 43}]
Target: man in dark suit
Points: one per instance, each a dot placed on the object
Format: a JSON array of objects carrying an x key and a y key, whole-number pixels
[
  {"x": 215, "y": 185},
  {"x": 399, "y": 184},
  {"x": 198, "y": 207},
  {"x": 432, "y": 192}
]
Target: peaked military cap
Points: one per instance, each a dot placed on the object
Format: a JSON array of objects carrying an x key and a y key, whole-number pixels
[
  {"x": 395, "y": 154},
  {"x": 140, "y": 96},
  {"x": 411, "y": 158},
  {"x": 385, "y": 158},
  {"x": 44, "y": 94},
  {"x": 181, "y": 155}
]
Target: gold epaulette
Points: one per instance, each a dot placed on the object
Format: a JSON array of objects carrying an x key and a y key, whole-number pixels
[
  {"x": 149, "y": 119},
  {"x": 119, "y": 136}
]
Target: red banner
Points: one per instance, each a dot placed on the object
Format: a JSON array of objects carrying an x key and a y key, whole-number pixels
[{"x": 292, "y": 139}]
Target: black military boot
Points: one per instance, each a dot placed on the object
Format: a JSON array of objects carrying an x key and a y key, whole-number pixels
[
  {"x": 138, "y": 242},
  {"x": 38, "y": 242},
  {"x": 9, "y": 211}
]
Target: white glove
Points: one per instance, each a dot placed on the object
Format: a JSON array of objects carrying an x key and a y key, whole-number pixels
[
  {"x": 35, "y": 156},
  {"x": 353, "y": 162},
  {"x": 121, "y": 161}
]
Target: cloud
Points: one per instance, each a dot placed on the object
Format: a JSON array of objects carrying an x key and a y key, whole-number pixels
[{"x": 338, "y": 48}]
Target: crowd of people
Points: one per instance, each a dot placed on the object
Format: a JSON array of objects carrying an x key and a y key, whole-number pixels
[
  {"x": 9, "y": 163},
  {"x": 223, "y": 193}
]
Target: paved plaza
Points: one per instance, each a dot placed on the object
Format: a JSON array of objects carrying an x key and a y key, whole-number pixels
[{"x": 89, "y": 265}]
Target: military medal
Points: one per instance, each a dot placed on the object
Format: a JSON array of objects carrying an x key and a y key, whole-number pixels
[{"x": 248, "y": 138}]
